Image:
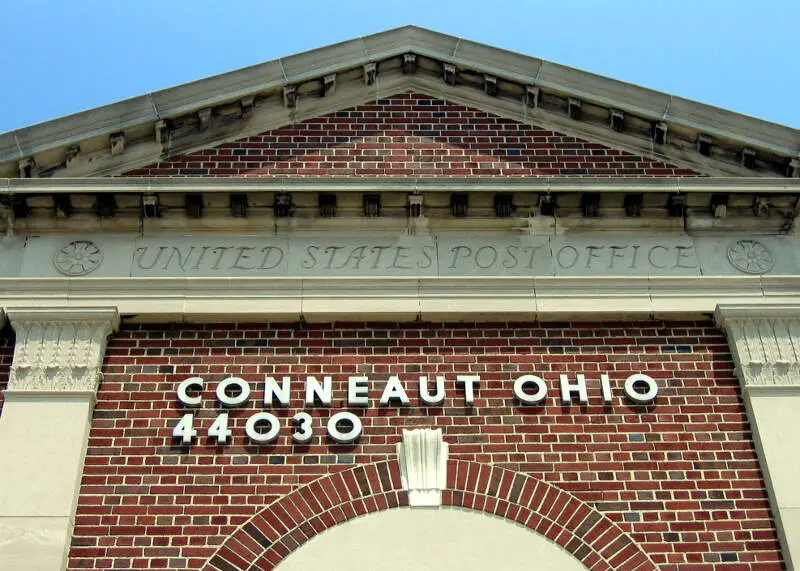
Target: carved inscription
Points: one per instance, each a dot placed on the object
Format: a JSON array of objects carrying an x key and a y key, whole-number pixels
[
  {"x": 208, "y": 258},
  {"x": 487, "y": 256},
  {"x": 594, "y": 256},
  {"x": 459, "y": 257},
  {"x": 622, "y": 257},
  {"x": 307, "y": 255},
  {"x": 380, "y": 258},
  {"x": 565, "y": 256}
]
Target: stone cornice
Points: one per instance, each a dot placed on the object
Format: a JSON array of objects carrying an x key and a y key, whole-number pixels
[
  {"x": 123, "y": 185},
  {"x": 250, "y": 100},
  {"x": 59, "y": 349},
  {"x": 408, "y": 39},
  {"x": 765, "y": 342}
]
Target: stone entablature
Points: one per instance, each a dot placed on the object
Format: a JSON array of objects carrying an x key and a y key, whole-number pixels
[{"x": 59, "y": 350}]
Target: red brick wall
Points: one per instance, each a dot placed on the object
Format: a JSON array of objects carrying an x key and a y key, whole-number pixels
[
  {"x": 680, "y": 476},
  {"x": 410, "y": 135}
]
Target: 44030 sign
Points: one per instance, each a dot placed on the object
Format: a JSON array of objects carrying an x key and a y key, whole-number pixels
[{"x": 345, "y": 427}]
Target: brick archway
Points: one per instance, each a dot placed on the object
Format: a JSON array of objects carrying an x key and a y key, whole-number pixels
[{"x": 283, "y": 526}]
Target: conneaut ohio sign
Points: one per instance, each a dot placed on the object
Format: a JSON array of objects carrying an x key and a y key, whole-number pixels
[{"x": 344, "y": 426}]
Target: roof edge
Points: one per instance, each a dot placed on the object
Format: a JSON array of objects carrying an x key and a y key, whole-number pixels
[{"x": 477, "y": 57}]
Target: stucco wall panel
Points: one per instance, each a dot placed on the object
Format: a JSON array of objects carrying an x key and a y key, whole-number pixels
[{"x": 429, "y": 540}]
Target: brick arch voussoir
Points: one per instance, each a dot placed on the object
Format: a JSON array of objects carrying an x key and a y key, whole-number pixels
[
  {"x": 283, "y": 526},
  {"x": 590, "y": 536}
]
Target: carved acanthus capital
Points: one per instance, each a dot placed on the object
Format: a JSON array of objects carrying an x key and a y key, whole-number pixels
[
  {"x": 59, "y": 349},
  {"x": 765, "y": 343}
]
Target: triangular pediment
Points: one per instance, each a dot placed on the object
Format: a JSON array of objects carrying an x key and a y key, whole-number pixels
[
  {"x": 411, "y": 135},
  {"x": 131, "y": 134}
]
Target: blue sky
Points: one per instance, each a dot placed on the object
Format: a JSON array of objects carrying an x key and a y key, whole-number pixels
[{"x": 62, "y": 57}]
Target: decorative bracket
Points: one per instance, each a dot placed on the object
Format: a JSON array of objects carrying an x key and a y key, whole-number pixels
[
  {"x": 532, "y": 96},
  {"x": 204, "y": 118},
  {"x": 25, "y": 167},
  {"x": 370, "y": 73},
  {"x": 329, "y": 84},
  {"x": 660, "y": 130},
  {"x": 794, "y": 169},
  {"x": 59, "y": 349},
  {"x": 247, "y": 105},
  {"x": 574, "y": 108},
  {"x": 490, "y": 84},
  {"x": 616, "y": 120},
  {"x": 409, "y": 64},
  {"x": 449, "y": 73},
  {"x": 116, "y": 143},
  {"x": 71, "y": 155},
  {"x": 423, "y": 466},
  {"x": 162, "y": 132},
  {"x": 290, "y": 96},
  {"x": 704, "y": 143}
]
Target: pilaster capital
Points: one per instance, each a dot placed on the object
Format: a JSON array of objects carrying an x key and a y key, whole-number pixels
[
  {"x": 765, "y": 343},
  {"x": 59, "y": 350}
]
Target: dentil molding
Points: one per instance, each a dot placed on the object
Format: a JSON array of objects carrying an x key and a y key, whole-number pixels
[
  {"x": 765, "y": 343},
  {"x": 59, "y": 350}
]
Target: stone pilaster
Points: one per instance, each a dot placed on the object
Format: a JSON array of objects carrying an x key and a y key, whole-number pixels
[
  {"x": 44, "y": 429},
  {"x": 765, "y": 343}
]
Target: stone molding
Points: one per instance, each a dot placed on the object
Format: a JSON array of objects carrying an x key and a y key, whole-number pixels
[
  {"x": 208, "y": 300},
  {"x": 59, "y": 349},
  {"x": 315, "y": 184},
  {"x": 273, "y": 76},
  {"x": 422, "y": 454},
  {"x": 765, "y": 343}
]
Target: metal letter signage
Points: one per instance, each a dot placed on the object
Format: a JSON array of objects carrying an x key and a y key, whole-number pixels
[{"x": 345, "y": 426}]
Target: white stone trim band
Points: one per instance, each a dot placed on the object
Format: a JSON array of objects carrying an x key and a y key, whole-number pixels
[{"x": 207, "y": 300}]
